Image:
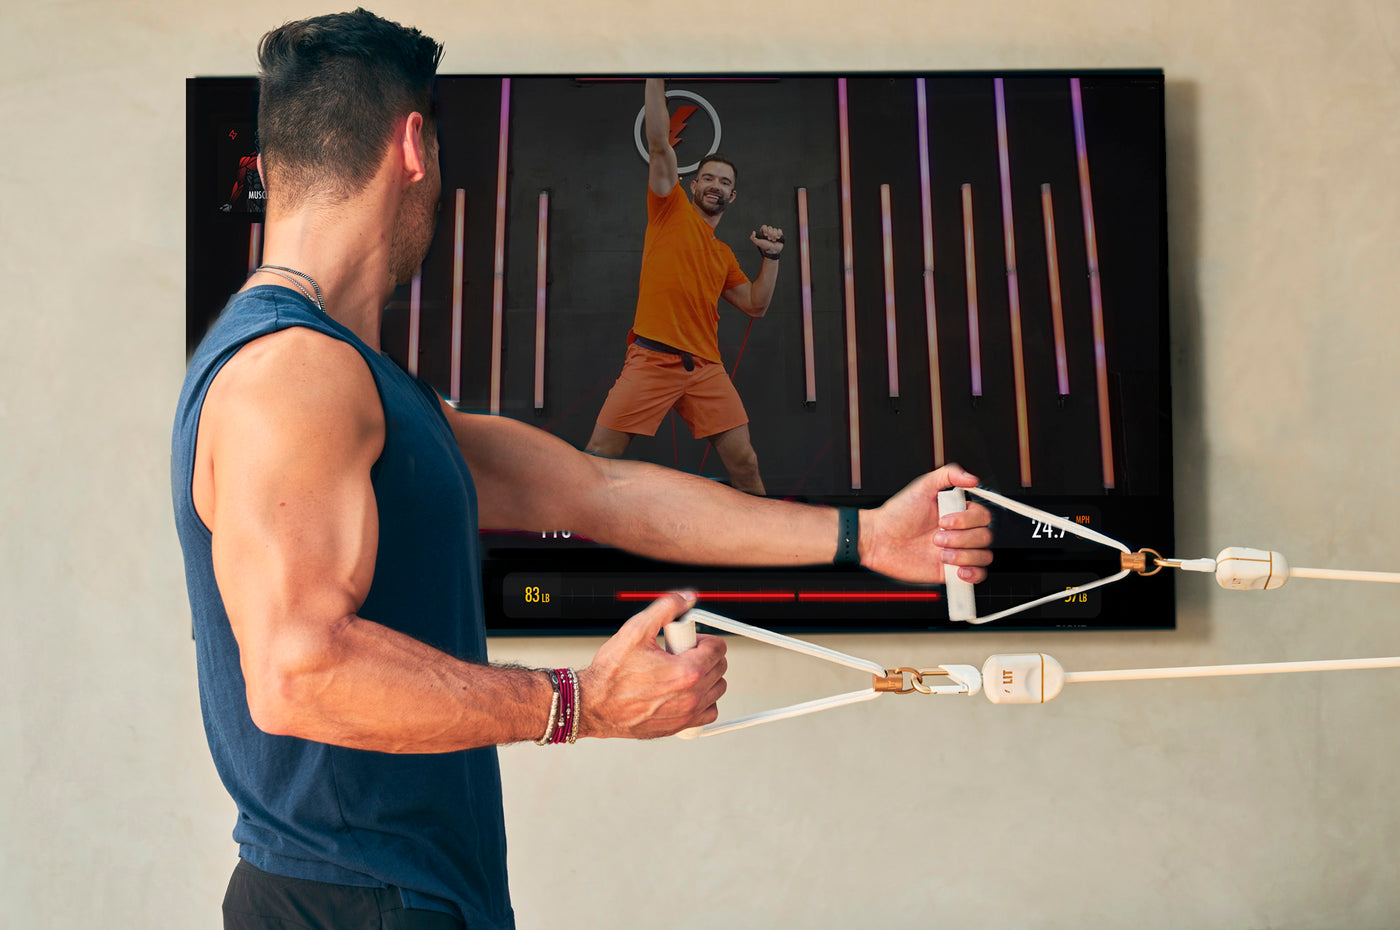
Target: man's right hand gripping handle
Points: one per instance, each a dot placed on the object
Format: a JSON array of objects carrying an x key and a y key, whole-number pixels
[{"x": 635, "y": 689}]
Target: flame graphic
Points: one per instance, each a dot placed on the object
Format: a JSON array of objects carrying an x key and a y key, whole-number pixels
[{"x": 678, "y": 121}]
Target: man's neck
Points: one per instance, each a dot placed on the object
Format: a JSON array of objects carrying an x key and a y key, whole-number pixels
[{"x": 345, "y": 252}]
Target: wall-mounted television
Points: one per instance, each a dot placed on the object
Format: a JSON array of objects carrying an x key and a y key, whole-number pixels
[{"x": 974, "y": 271}]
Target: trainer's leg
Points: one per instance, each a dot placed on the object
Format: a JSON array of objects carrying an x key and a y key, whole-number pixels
[
  {"x": 736, "y": 452},
  {"x": 608, "y": 443}
]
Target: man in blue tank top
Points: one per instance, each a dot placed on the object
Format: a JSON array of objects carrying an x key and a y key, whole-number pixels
[{"x": 328, "y": 506}]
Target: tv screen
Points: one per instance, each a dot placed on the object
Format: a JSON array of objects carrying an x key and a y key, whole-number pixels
[{"x": 974, "y": 270}]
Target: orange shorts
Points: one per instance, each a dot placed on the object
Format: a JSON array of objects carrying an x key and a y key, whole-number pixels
[{"x": 653, "y": 383}]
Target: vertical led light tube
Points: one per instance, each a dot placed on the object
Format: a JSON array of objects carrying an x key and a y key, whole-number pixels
[
  {"x": 498, "y": 286},
  {"x": 255, "y": 231},
  {"x": 541, "y": 267},
  {"x": 1057, "y": 312},
  {"x": 1013, "y": 287},
  {"x": 848, "y": 274},
  {"x": 804, "y": 251},
  {"x": 974, "y": 338},
  {"x": 415, "y": 313},
  {"x": 935, "y": 389},
  {"x": 891, "y": 335},
  {"x": 459, "y": 237},
  {"x": 1081, "y": 150}
]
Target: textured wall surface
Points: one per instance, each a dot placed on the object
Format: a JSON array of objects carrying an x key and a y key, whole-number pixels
[{"x": 1229, "y": 803}]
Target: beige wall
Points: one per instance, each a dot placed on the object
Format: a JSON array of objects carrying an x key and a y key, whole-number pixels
[{"x": 1229, "y": 803}]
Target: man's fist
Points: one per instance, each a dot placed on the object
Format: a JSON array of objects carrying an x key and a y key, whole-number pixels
[{"x": 768, "y": 240}]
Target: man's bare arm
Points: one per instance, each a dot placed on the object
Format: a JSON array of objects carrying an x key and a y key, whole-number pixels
[
  {"x": 664, "y": 172},
  {"x": 288, "y": 434},
  {"x": 527, "y": 479},
  {"x": 755, "y": 297}
]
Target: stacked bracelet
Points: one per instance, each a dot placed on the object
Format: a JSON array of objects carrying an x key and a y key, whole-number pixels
[
  {"x": 563, "y": 710},
  {"x": 553, "y": 710}
]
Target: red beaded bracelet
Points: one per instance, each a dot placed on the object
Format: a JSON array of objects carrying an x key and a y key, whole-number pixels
[{"x": 564, "y": 711}]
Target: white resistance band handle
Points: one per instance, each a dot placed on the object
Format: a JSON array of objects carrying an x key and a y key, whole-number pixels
[
  {"x": 962, "y": 604},
  {"x": 679, "y": 636},
  {"x": 964, "y": 678}
]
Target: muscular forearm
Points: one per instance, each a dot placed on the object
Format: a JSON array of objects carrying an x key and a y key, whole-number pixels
[
  {"x": 360, "y": 684},
  {"x": 761, "y": 290},
  {"x": 670, "y": 515},
  {"x": 658, "y": 116}
]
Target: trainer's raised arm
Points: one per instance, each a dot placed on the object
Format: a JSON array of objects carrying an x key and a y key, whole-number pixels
[{"x": 664, "y": 171}]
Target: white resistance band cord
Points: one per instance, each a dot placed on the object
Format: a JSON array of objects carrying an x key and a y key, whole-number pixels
[
  {"x": 1034, "y": 678},
  {"x": 1236, "y": 568}
]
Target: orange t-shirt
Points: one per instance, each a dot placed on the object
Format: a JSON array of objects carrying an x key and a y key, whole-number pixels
[{"x": 684, "y": 271}]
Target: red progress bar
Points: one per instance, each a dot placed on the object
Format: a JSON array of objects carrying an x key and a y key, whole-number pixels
[
  {"x": 870, "y": 596},
  {"x": 713, "y": 595}
]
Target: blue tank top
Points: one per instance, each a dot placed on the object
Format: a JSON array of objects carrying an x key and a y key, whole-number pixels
[{"x": 429, "y": 824}]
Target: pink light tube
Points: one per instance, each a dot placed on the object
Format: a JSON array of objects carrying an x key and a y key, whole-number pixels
[
  {"x": 498, "y": 287},
  {"x": 848, "y": 273},
  {"x": 935, "y": 389},
  {"x": 974, "y": 338},
  {"x": 1013, "y": 287},
  {"x": 1081, "y": 150},
  {"x": 1057, "y": 313},
  {"x": 804, "y": 251},
  {"x": 255, "y": 231},
  {"x": 459, "y": 237},
  {"x": 541, "y": 266},
  {"x": 891, "y": 336},
  {"x": 415, "y": 313}
]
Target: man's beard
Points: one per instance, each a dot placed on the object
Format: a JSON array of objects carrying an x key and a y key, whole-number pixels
[
  {"x": 713, "y": 209},
  {"x": 413, "y": 234}
]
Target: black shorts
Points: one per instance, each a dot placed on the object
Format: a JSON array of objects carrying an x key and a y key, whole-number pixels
[{"x": 258, "y": 900}]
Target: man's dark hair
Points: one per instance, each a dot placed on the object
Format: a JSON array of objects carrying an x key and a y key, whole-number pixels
[
  {"x": 331, "y": 91},
  {"x": 723, "y": 160}
]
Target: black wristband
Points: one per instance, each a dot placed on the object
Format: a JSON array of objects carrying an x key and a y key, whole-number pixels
[{"x": 847, "y": 536}]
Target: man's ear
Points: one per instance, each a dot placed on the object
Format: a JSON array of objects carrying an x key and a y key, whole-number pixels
[{"x": 414, "y": 150}]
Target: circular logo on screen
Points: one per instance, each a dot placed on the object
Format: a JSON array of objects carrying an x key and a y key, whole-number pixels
[{"x": 695, "y": 131}]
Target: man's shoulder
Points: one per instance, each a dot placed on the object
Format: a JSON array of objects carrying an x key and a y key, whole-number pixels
[
  {"x": 659, "y": 206},
  {"x": 300, "y": 354},
  {"x": 293, "y": 373}
]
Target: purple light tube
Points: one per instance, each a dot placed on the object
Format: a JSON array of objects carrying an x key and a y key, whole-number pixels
[
  {"x": 459, "y": 237},
  {"x": 541, "y": 266},
  {"x": 804, "y": 251},
  {"x": 1057, "y": 313},
  {"x": 1013, "y": 288},
  {"x": 415, "y": 314},
  {"x": 458, "y": 255},
  {"x": 974, "y": 338},
  {"x": 891, "y": 335},
  {"x": 498, "y": 286},
  {"x": 255, "y": 232},
  {"x": 935, "y": 389},
  {"x": 848, "y": 273},
  {"x": 1081, "y": 150}
]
